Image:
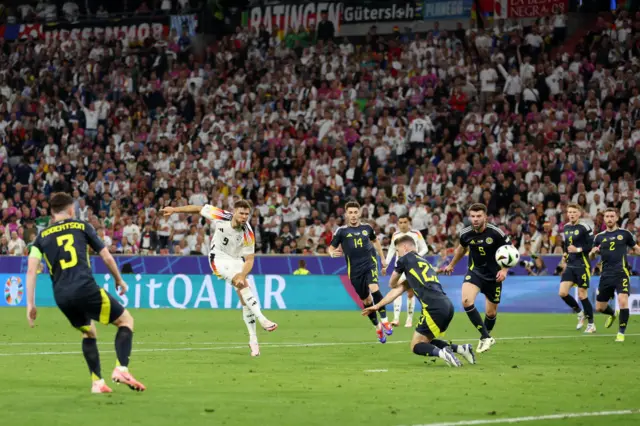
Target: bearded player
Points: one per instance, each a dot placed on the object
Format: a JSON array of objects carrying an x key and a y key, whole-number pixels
[
  {"x": 404, "y": 228},
  {"x": 231, "y": 258},
  {"x": 612, "y": 245},
  {"x": 357, "y": 241},
  {"x": 484, "y": 275}
]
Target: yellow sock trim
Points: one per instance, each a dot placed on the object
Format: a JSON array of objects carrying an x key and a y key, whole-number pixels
[{"x": 94, "y": 377}]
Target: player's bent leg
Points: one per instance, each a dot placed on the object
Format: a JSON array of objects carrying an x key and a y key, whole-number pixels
[
  {"x": 377, "y": 296},
  {"x": 250, "y": 321},
  {"x": 422, "y": 345},
  {"x": 373, "y": 317},
  {"x": 563, "y": 292},
  {"x": 124, "y": 345},
  {"x": 254, "y": 306},
  {"x": 623, "y": 302},
  {"x": 465, "y": 350},
  {"x": 469, "y": 293}
]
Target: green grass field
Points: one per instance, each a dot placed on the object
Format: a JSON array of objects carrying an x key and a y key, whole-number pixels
[{"x": 197, "y": 369}]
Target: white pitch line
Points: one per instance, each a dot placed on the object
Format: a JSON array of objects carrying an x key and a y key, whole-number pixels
[
  {"x": 375, "y": 371},
  {"x": 572, "y": 336},
  {"x": 535, "y": 418},
  {"x": 275, "y": 345}
]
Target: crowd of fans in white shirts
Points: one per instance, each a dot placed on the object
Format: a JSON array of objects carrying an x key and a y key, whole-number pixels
[{"x": 413, "y": 124}]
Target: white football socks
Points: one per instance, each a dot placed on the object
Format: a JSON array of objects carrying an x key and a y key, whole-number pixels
[
  {"x": 397, "y": 308},
  {"x": 411, "y": 305},
  {"x": 250, "y": 321},
  {"x": 252, "y": 303}
]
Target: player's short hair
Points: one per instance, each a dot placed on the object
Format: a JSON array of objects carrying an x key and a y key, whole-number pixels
[
  {"x": 477, "y": 207},
  {"x": 352, "y": 205},
  {"x": 243, "y": 204},
  {"x": 611, "y": 210},
  {"x": 404, "y": 239},
  {"x": 574, "y": 206},
  {"x": 60, "y": 201},
  {"x": 405, "y": 216}
]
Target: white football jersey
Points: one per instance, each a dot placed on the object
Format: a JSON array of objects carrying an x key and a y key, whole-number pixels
[
  {"x": 419, "y": 128},
  {"x": 421, "y": 244},
  {"x": 228, "y": 241}
]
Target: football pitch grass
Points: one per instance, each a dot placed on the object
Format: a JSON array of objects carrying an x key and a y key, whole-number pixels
[{"x": 318, "y": 368}]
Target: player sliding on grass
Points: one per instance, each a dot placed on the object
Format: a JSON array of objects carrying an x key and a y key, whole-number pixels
[
  {"x": 437, "y": 309},
  {"x": 231, "y": 258},
  {"x": 612, "y": 245},
  {"x": 357, "y": 242},
  {"x": 484, "y": 274},
  {"x": 65, "y": 247},
  {"x": 404, "y": 228},
  {"x": 578, "y": 241}
]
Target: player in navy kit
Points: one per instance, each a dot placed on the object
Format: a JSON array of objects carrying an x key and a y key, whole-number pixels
[
  {"x": 482, "y": 239},
  {"x": 437, "y": 309},
  {"x": 357, "y": 242},
  {"x": 64, "y": 245},
  {"x": 578, "y": 241},
  {"x": 612, "y": 245}
]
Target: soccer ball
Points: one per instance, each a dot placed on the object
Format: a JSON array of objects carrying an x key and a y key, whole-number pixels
[{"x": 507, "y": 256}]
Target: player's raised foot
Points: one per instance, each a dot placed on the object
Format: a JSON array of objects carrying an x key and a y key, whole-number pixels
[
  {"x": 269, "y": 325},
  {"x": 620, "y": 337},
  {"x": 255, "y": 349},
  {"x": 99, "y": 386},
  {"x": 395, "y": 323},
  {"x": 485, "y": 344},
  {"x": 581, "y": 319},
  {"x": 591, "y": 328},
  {"x": 610, "y": 319},
  {"x": 386, "y": 326},
  {"x": 381, "y": 336},
  {"x": 449, "y": 357},
  {"x": 467, "y": 352},
  {"x": 408, "y": 324},
  {"x": 126, "y": 378}
]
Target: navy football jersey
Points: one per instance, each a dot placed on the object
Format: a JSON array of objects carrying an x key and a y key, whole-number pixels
[
  {"x": 421, "y": 277},
  {"x": 613, "y": 251},
  {"x": 65, "y": 247},
  {"x": 579, "y": 235},
  {"x": 482, "y": 249},
  {"x": 357, "y": 246}
]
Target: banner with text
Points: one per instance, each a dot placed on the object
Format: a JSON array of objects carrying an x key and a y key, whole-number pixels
[
  {"x": 529, "y": 8},
  {"x": 294, "y": 292},
  {"x": 290, "y": 17},
  {"x": 181, "y": 291},
  {"x": 453, "y": 9},
  {"x": 129, "y": 30}
]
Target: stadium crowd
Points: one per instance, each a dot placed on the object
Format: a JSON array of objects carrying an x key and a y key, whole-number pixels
[{"x": 412, "y": 124}]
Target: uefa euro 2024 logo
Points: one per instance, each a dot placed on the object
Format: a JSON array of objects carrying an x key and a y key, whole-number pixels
[{"x": 13, "y": 291}]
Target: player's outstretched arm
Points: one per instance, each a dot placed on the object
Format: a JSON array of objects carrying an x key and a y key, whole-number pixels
[
  {"x": 168, "y": 211},
  {"x": 594, "y": 252},
  {"x": 390, "y": 297},
  {"x": 108, "y": 259},
  {"x": 32, "y": 275}
]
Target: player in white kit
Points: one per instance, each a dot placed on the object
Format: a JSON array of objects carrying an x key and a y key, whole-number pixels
[
  {"x": 404, "y": 228},
  {"x": 231, "y": 256}
]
